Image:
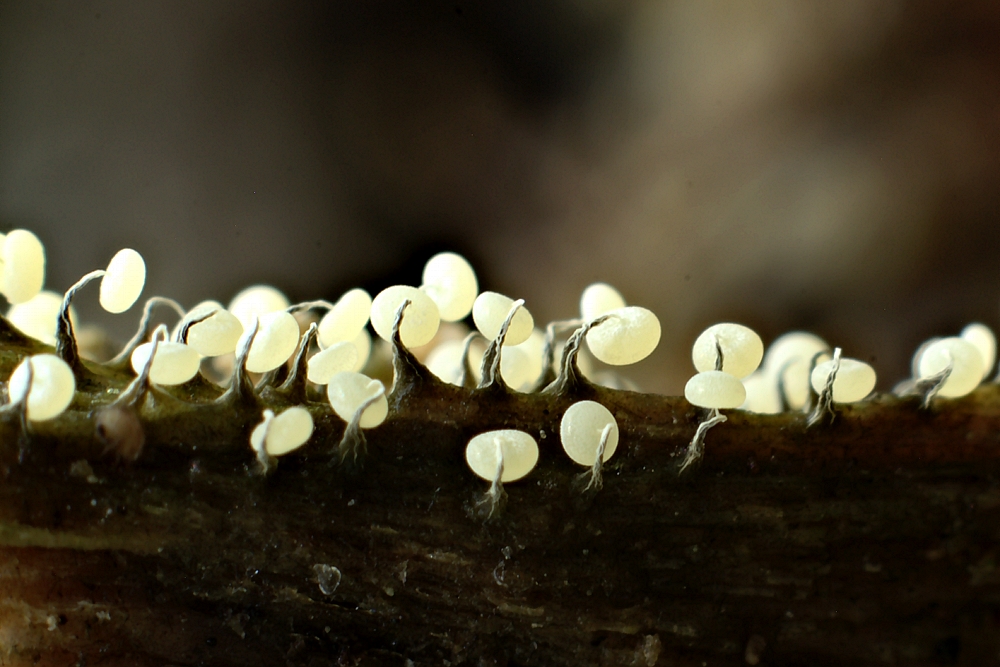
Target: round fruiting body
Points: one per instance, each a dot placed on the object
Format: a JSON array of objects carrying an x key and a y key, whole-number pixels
[
  {"x": 965, "y": 360},
  {"x": 363, "y": 342},
  {"x": 715, "y": 389},
  {"x": 284, "y": 433},
  {"x": 630, "y": 334},
  {"x": 517, "y": 448},
  {"x": 51, "y": 389},
  {"x": 762, "y": 394},
  {"x": 123, "y": 281},
  {"x": 789, "y": 359},
  {"x": 346, "y": 319},
  {"x": 275, "y": 341},
  {"x": 489, "y": 312},
  {"x": 348, "y": 391},
  {"x": 337, "y": 358},
  {"x": 23, "y": 266},
  {"x": 175, "y": 363},
  {"x": 581, "y": 429},
  {"x": 854, "y": 380},
  {"x": 451, "y": 282},
  {"x": 256, "y": 301},
  {"x": 39, "y": 316},
  {"x": 599, "y": 299},
  {"x": 985, "y": 341},
  {"x": 215, "y": 335},
  {"x": 421, "y": 318},
  {"x": 742, "y": 349}
]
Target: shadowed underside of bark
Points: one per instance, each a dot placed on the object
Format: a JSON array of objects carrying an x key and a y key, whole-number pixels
[{"x": 873, "y": 540}]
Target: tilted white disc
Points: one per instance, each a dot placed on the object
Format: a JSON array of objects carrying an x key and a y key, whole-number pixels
[
  {"x": 363, "y": 342},
  {"x": 276, "y": 339},
  {"x": 288, "y": 431},
  {"x": 581, "y": 428},
  {"x": 598, "y": 299},
  {"x": 175, "y": 363},
  {"x": 23, "y": 266},
  {"x": 967, "y": 365},
  {"x": 337, "y": 358},
  {"x": 742, "y": 349},
  {"x": 52, "y": 386},
  {"x": 123, "y": 281},
  {"x": 346, "y": 319},
  {"x": 445, "y": 361},
  {"x": 793, "y": 345},
  {"x": 215, "y": 335},
  {"x": 516, "y": 368},
  {"x": 789, "y": 358},
  {"x": 985, "y": 341},
  {"x": 420, "y": 319},
  {"x": 451, "y": 282},
  {"x": 762, "y": 394},
  {"x": 533, "y": 349},
  {"x": 630, "y": 334},
  {"x": 39, "y": 316},
  {"x": 715, "y": 389},
  {"x": 256, "y": 301},
  {"x": 489, "y": 312},
  {"x": 259, "y": 432},
  {"x": 518, "y": 449},
  {"x": 348, "y": 391},
  {"x": 854, "y": 381}
]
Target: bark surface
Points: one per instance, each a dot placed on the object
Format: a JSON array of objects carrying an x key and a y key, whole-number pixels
[{"x": 873, "y": 540}]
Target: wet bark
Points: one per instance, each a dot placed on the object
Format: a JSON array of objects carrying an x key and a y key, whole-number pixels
[{"x": 873, "y": 540}]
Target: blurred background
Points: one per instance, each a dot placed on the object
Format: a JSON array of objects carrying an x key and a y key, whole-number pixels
[{"x": 828, "y": 166}]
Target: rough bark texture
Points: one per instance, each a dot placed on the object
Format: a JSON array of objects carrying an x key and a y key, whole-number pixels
[{"x": 874, "y": 540}]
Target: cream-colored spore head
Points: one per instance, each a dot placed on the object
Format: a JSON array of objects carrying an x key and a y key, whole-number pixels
[
  {"x": 451, "y": 282},
  {"x": 259, "y": 433},
  {"x": 363, "y": 342},
  {"x": 445, "y": 361},
  {"x": 288, "y": 431},
  {"x": 522, "y": 373},
  {"x": 854, "y": 380},
  {"x": 715, "y": 389},
  {"x": 599, "y": 299},
  {"x": 39, "y": 316},
  {"x": 742, "y": 349},
  {"x": 276, "y": 339},
  {"x": 762, "y": 394},
  {"x": 985, "y": 341},
  {"x": 337, "y": 358},
  {"x": 23, "y": 266},
  {"x": 518, "y": 449},
  {"x": 421, "y": 318},
  {"x": 215, "y": 335},
  {"x": 789, "y": 359},
  {"x": 581, "y": 428},
  {"x": 489, "y": 312},
  {"x": 175, "y": 363},
  {"x": 346, "y": 319},
  {"x": 256, "y": 301},
  {"x": 348, "y": 391},
  {"x": 517, "y": 368},
  {"x": 967, "y": 365},
  {"x": 51, "y": 389},
  {"x": 629, "y": 335},
  {"x": 123, "y": 281}
]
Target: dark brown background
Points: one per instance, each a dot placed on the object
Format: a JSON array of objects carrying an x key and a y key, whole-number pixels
[{"x": 785, "y": 164}]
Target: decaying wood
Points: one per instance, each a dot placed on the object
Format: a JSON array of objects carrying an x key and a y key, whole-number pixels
[{"x": 874, "y": 540}]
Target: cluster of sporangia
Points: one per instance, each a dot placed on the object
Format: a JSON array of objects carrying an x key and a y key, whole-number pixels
[{"x": 259, "y": 333}]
